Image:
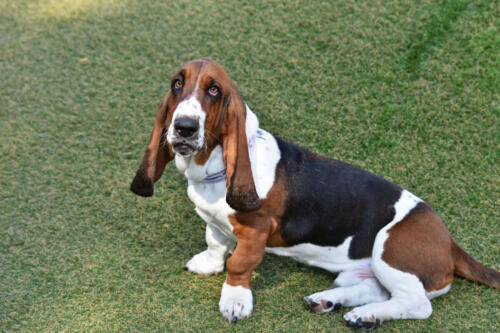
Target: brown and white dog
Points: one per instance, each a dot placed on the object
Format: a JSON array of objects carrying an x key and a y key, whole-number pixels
[{"x": 259, "y": 193}]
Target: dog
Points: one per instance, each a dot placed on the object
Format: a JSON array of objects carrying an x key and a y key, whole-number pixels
[{"x": 258, "y": 193}]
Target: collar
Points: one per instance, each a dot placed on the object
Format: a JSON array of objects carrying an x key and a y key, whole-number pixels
[{"x": 221, "y": 175}]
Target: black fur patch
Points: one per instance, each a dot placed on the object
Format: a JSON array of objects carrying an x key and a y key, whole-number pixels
[
  {"x": 142, "y": 185},
  {"x": 329, "y": 200}
]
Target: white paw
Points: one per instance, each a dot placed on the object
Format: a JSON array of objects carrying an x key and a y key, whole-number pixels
[
  {"x": 324, "y": 301},
  {"x": 363, "y": 317},
  {"x": 235, "y": 303},
  {"x": 203, "y": 263}
]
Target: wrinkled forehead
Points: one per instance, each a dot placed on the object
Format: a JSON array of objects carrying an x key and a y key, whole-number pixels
[{"x": 202, "y": 73}]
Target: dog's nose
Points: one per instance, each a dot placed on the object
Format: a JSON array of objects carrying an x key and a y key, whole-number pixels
[{"x": 186, "y": 127}]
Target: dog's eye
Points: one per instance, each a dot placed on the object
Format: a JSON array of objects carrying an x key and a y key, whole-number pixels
[
  {"x": 178, "y": 84},
  {"x": 213, "y": 90}
]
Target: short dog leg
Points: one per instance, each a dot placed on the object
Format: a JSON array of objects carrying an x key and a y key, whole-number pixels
[
  {"x": 236, "y": 300},
  {"x": 211, "y": 261},
  {"x": 367, "y": 291}
]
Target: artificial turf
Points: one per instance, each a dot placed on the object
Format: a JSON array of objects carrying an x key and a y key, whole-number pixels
[{"x": 409, "y": 90}]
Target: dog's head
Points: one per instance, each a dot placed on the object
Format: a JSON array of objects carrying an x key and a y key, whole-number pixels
[{"x": 202, "y": 109}]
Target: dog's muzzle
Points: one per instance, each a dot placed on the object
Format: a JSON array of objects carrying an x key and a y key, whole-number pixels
[{"x": 186, "y": 131}]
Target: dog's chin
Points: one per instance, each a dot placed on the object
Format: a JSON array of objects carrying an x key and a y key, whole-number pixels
[{"x": 184, "y": 149}]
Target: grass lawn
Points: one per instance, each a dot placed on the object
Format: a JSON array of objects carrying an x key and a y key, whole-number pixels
[{"x": 409, "y": 90}]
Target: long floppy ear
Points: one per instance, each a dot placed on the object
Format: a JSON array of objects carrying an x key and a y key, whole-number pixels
[
  {"x": 241, "y": 194},
  {"x": 158, "y": 153}
]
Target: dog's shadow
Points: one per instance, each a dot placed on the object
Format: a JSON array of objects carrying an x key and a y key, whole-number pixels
[{"x": 276, "y": 272}]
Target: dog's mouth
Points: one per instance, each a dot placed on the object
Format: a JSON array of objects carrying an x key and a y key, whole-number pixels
[{"x": 183, "y": 148}]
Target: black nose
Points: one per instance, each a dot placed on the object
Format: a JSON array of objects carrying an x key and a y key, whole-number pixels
[{"x": 186, "y": 127}]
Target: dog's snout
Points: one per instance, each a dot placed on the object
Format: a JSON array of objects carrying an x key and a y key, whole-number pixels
[{"x": 186, "y": 127}]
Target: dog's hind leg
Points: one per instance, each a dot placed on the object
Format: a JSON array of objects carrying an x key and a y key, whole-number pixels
[
  {"x": 408, "y": 301},
  {"x": 412, "y": 259},
  {"x": 367, "y": 291}
]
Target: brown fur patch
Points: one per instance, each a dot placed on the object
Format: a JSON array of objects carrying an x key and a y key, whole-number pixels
[
  {"x": 241, "y": 193},
  {"x": 252, "y": 230},
  {"x": 213, "y": 107},
  {"x": 421, "y": 245},
  {"x": 274, "y": 205},
  {"x": 469, "y": 268},
  {"x": 158, "y": 152},
  {"x": 256, "y": 230}
]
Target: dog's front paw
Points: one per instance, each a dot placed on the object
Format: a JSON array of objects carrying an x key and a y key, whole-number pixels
[
  {"x": 204, "y": 263},
  {"x": 236, "y": 302}
]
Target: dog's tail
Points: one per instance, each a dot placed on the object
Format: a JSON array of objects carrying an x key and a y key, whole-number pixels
[{"x": 471, "y": 269}]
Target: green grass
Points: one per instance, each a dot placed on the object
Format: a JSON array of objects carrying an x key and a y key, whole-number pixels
[{"x": 409, "y": 90}]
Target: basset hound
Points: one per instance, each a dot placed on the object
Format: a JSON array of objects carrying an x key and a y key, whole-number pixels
[{"x": 257, "y": 193}]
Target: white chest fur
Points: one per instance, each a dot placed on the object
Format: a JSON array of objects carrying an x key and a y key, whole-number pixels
[{"x": 210, "y": 199}]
